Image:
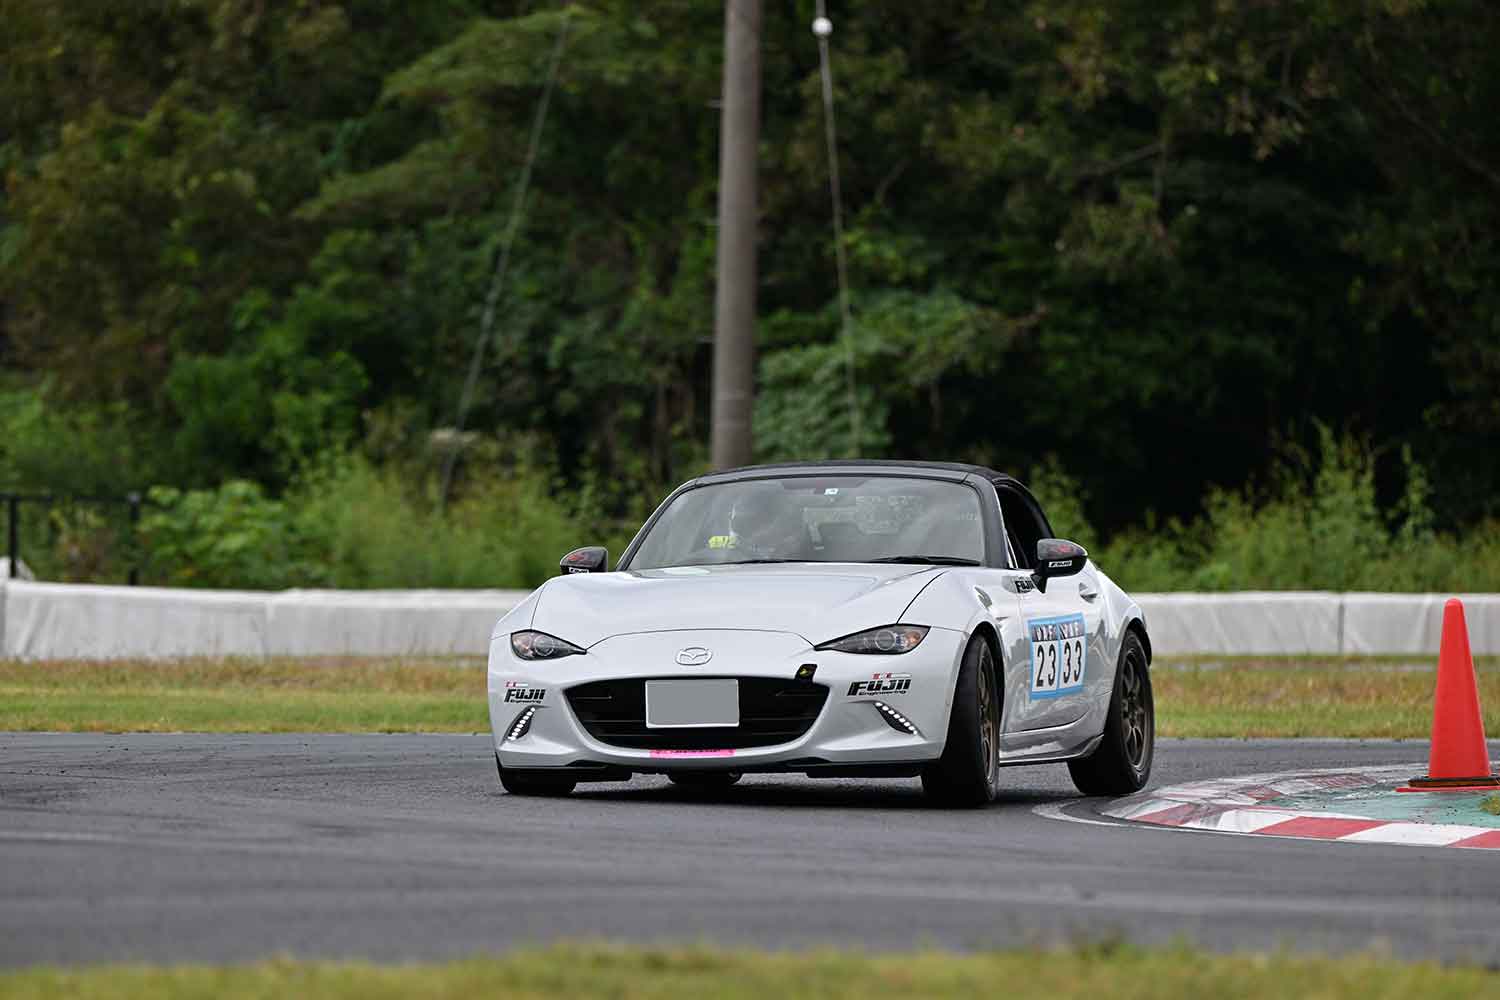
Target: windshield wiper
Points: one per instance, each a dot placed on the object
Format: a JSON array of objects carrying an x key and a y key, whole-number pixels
[{"x": 929, "y": 560}]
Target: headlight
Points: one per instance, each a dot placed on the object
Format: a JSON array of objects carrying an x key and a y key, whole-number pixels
[
  {"x": 530, "y": 645},
  {"x": 887, "y": 640}
]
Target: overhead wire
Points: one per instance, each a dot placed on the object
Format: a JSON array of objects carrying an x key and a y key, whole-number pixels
[
  {"x": 502, "y": 262},
  {"x": 822, "y": 28}
]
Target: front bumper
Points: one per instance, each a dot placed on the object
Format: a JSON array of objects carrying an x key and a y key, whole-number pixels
[{"x": 535, "y": 725}]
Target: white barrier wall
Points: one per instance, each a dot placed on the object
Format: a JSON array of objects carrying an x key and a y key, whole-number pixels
[
  {"x": 384, "y": 622},
  {"x": 1289, "y": 623},
  {"x": 60, "y": 621},
  {"x": 1407, "y": 623},
  {"x": 1274, "y": 623},
  {"x": 65, "y": 621}
]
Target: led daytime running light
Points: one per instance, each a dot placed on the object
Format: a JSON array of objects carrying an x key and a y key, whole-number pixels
[
  {"x": 896, "y": 720},
  {"x": 521, "y": 726}
]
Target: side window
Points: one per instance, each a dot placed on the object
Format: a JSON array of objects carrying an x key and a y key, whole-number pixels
[{"x": 1023, "y": 526}]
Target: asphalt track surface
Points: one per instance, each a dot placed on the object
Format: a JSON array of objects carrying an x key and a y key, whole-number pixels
[{"x": 235, "y": 847}]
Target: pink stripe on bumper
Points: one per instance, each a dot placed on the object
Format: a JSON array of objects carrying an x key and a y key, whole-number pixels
[{"x": 692, "y": 753}]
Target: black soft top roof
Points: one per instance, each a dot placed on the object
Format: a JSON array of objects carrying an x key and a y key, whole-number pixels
[{"x": 943, "y": 470}]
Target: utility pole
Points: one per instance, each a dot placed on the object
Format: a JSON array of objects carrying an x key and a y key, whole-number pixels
[{"x": 734, "y": 295}]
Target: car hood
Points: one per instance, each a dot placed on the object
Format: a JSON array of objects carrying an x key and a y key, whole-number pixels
[{"x": 815, "y": 601}]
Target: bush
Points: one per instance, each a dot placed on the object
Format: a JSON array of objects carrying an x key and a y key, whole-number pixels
[
  {"x": 349, "y": 522},
  {"x": 350, "y": 525},
  {"x": 234, "y": 537},
  {"x": 1319, "y": 527},
  {"x": 505, "y": 530}
]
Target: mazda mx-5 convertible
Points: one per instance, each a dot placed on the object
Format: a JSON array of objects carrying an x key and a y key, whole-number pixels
[{"x": 839, "y": 619}]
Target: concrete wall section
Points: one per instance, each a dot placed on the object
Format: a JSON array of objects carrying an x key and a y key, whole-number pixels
[
  {"x": 1413, "y": 623},
  {"x": 1269, "y": 623},
  {"x": 65, "y": 621},
  {"x": 62, "y": 621},
  {"x": 385, "y": 622},
  {"x": 53, "y": 621}
]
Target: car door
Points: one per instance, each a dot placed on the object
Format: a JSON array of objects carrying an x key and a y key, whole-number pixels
[{"x": 1060, "y": 642}]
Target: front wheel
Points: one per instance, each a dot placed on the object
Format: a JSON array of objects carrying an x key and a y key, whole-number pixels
[
  {"x": 967, "y": 772},
  {"x": 524, "y": 783},
  {"x": 1121, "y": 764}
]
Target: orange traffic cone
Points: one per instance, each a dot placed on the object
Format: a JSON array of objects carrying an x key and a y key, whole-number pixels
[{"x": 1459, "y": 759}]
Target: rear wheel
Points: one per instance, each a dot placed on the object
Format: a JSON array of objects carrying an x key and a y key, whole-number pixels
[
  {"x": 530, "y": 783},
  {"x": 705, "y": 781},
  {"x": 966, "y": 773},
  {"x": 1121, "y": 765}
]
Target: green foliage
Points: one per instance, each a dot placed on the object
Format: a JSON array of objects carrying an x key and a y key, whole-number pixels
[
  {"x": 506, "y": 531},
  {"x": 79, "y": 449},
  {"x": 238, "y": 235},
  {"x": 274, "y": 398},
  {"x": 901, "y": 345},
  {"x": 350, "y": 525},
  {"x": 234, "y": 536},
  {"x": 1319, "y": 527},
  {"x": 1063, "y": 498}
]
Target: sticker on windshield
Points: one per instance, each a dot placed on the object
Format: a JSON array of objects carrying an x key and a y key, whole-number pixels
[{"x": 1059, "y": 655}]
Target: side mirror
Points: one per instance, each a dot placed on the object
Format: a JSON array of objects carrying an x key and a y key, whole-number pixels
[
  {"x": 1057, "y": 557},
  {"x": 590, "y": 559}
]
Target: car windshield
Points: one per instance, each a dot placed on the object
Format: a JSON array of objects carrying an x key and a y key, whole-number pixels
[{"x": 817, "y": 519}]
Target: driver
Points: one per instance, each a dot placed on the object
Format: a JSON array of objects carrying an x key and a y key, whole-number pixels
[{"x": 764, "y": 525}]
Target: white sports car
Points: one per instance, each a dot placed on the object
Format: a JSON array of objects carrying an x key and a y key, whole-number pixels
[{"x": 880, "y": 619}]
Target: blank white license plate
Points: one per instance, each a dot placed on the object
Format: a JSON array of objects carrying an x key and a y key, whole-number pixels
[{"x": 692, "y": 704}]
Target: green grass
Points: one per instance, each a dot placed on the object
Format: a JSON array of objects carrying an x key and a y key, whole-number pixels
[
  {"x": 1086, "y": 973},
  {"x": 1290, "y": 697},
  {"x": 1374, "y": 698},
  {"x": 278, "y": 695}
]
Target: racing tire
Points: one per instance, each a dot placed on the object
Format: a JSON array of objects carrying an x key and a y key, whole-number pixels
[
  {"x": 1121, "y": 764},
  {"x": 705, "y": 781},
  {"x": 532, "y": 784},
  {"x": 967, "y": 774}
]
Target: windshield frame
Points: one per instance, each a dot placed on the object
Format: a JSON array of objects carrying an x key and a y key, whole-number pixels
[{"x": 989, "y": 510}]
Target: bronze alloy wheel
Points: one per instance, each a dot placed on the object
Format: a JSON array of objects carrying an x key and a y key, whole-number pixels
[
  {"x": 1121, "y": 762},
  {"x": 989, "y": 721},
  {"x": 1135, "y": 709}
]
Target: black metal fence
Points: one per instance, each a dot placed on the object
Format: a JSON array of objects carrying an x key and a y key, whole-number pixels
[{"x": 13, "y": 502}]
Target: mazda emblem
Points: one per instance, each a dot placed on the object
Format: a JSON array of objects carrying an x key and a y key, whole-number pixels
[{"x": 694, "y": 656}]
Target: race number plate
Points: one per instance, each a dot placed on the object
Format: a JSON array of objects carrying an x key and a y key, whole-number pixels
[
  {"x": 695, "y": 704},
  {"x": 1059, "y": 655}
]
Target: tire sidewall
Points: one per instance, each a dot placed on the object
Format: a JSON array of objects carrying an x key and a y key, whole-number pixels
[
  {"x": 961, "y": 776},
  {"x": 1116, "y": 727},
  {"x": 986, "y": 662}
]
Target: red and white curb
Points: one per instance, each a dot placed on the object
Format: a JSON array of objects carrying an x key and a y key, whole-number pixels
[{"x": 1235, "y": 805}]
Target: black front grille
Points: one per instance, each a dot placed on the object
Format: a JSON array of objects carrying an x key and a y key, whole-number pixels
[{"x": 772, "y": 711}]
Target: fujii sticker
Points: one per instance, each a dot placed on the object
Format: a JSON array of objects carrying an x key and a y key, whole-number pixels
[
  {"x": 881, "y": 684},
  {"x": 517, "y": 691},
  {"x": 1059, "y": 655}
]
